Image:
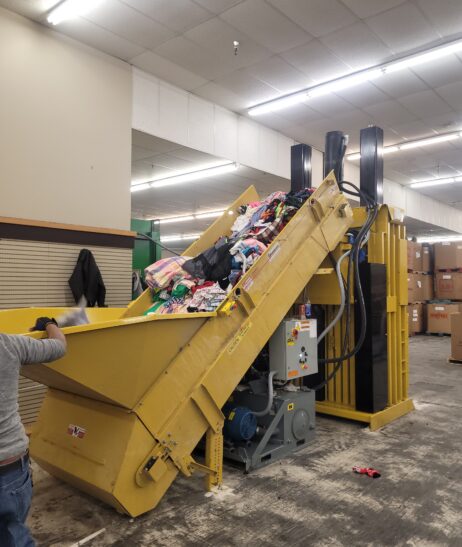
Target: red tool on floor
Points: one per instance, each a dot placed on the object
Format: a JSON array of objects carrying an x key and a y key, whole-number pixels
[{"x": 369, "y": 471}]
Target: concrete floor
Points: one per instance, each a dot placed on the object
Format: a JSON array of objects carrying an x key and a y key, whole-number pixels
[{"x": 312, "y": 498}]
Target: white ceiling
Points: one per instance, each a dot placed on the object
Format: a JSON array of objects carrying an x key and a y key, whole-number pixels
[{"x": 289, "y": 44}]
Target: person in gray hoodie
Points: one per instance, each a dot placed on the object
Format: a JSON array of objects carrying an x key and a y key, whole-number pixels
[{"x": 15, "y": 477}]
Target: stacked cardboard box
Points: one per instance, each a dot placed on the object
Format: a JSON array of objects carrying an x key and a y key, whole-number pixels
[
  {"x": 439, "y": 317},
  {"x": 420, "y": 284},
  {"x": 456, "y": 336},
  {"x": 448, "y": 287}
]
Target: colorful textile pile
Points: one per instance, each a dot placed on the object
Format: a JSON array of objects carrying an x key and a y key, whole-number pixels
[{"x": 200, "y": 284}]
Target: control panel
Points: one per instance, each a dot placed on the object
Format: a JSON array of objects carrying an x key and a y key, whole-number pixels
[{"x": 293, "y": 349}]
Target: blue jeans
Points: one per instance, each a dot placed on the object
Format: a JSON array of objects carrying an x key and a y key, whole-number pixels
[{"x": 15, "y": 498}]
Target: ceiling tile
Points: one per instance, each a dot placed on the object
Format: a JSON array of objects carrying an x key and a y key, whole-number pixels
[
  {"x": 367, "y": 8},
  {"x": 145, "y": 170},
  {"x": 330, "y": 105},
  {"x": 451, "y": 121},
  {"x": 193, "y": 156},
  {"x": 99, "y": 38},
  {"x": 194, "y": 57},
  {"x": 168, "y": 71},
  {"x": 445, "y": 15},
  {"x": 425, "y": 103},
  {"x": 440, "y": 72},
  {"x": 363, "y": 95},
  {"x": 400, "y": 83},
  {"x": 412, "y": 130},
  {"x": 279, "y": 74},
  {"x": 452, "y": 94},
  {"x": 217, "y": 6},
  {"x": 241, "y": 83},
  {"x": 129, "y": 23},
  {"x": 357, "y": 46},
  {"x": 318, "y": 17},
  {"x": 352, "y": 122},
  {"x": 403, "y": 28},
  {"x": 389, "y": 113},
  {"x": 35, "y": 9},
  {"x": 139, "y": 153},
  {"x": 217, "y": 36},
  {"x": 300, "y": 113},
  {"x": 266, "y": 25},
  {"x": 220, "y": 95},
  {"x": 179, "y": 15},
  {"x": 316, "y": 61}
]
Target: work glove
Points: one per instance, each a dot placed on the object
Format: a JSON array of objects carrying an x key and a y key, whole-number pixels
[{"x": 42, "y": 322}]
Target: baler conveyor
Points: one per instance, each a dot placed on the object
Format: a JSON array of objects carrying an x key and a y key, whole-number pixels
[{"x": 135, "y": 394}]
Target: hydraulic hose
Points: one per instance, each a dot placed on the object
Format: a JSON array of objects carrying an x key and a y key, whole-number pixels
[
  {"x": 342, "y": 299},
  {"x": 269, "y": 404}
]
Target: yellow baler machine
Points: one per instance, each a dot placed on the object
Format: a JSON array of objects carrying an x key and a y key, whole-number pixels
[{"x": 135, "y": 394}]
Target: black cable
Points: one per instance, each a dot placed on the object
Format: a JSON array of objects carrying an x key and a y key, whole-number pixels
[
  {"x": 145, "y": 236},
  {"x": 372, "y": 208}
]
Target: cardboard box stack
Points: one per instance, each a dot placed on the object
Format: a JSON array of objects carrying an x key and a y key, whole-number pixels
[
  {"x": 419, "y": 283},
  {"x": 448, "y": 287},
  {"x": 456, "y": 336}
]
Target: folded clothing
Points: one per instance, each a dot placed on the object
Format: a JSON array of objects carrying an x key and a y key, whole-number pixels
[{"x": 160, "y": 274}]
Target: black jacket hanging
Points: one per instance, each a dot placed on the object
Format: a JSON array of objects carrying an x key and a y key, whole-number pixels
[{"x": 86, "y": 280}]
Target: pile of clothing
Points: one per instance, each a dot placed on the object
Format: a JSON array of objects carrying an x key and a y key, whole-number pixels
[{"x": 182, "y": 284}]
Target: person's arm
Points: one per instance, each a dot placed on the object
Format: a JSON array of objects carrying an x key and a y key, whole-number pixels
[
  {"x": 55, "y": 333},
  {"x": 32, "y": 351}
]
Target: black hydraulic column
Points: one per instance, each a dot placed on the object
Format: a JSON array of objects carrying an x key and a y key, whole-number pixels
[
  {"x": 371, "y": 361},
  {"x": 371, "y": 166},
  {"x": 334, "y": 152},
  {"x": 300, "y": 167}
]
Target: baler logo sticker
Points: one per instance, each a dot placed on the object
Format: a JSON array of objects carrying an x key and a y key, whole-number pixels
[{"x": 76, "y": 431}]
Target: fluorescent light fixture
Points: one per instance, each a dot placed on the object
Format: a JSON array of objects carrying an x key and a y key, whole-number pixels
[
  {"x": 344, "y": 83},
  {"x": 189, "y": 217},
  {"x": 185, "y": 237},
  {"x": 69, "y": 9},
  {"x": 429, "y": 141},
  {"x": 138, "y": 187},
  {"x": 355, "y": 78},
  {"x": 421, "y": 58},
  {"x": 438, "y": 239},
  {"x": 435, "y": 182},
  {"x": 279, "y": 104},
  {"x": 176, "y": 219},
  {"x": 211, "y": 214},
  {"x": 191, "y": 176},
  {"x": 389, "y": 150},
  {"x": 408, "y": 145}
]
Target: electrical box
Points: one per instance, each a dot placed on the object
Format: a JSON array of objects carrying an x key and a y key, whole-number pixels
[{"x": 293, "y": 349}]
